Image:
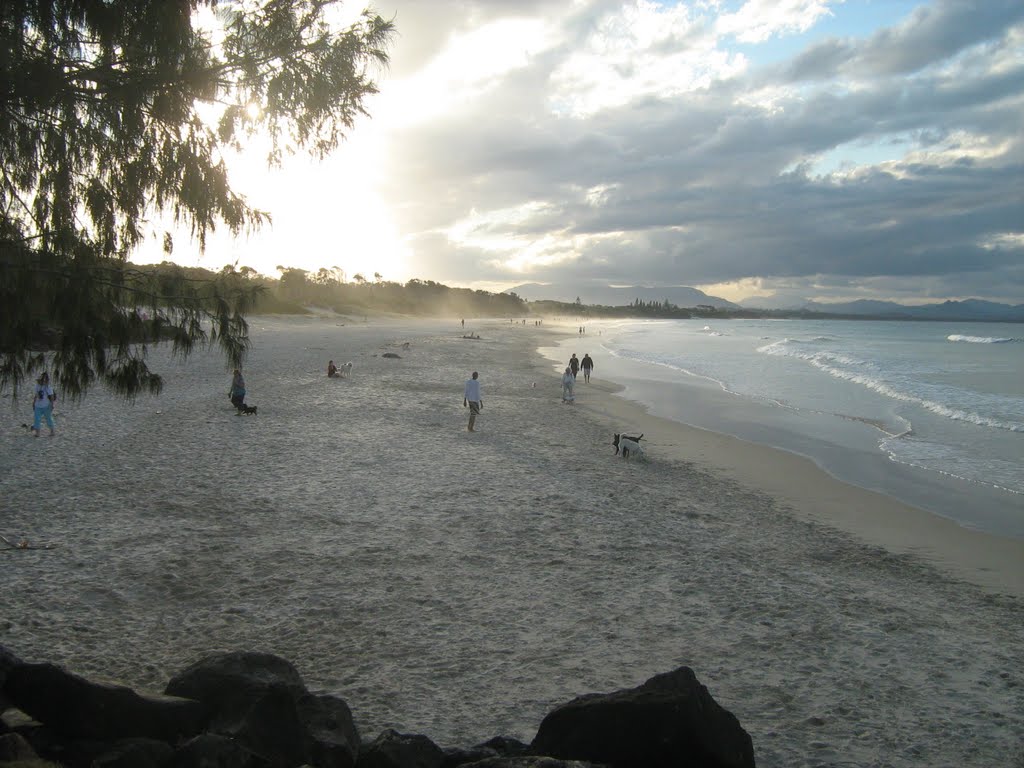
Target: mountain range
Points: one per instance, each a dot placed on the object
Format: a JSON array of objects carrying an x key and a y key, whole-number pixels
[
  {"x": 682, "y": 296},
  {"x": 969, "y": 309},
  {"x": 608, "y": 296}
]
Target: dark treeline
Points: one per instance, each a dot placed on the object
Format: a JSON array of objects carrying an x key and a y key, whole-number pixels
[
  {"x": 297, "y": 290},
  {"x": 638, "y": 308}
]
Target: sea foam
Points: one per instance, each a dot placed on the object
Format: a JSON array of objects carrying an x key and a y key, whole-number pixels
[
  {"x": 851, "y": 369},
  {"x": 979, "y": 339}
]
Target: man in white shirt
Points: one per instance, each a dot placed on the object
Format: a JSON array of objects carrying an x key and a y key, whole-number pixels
[{"x": 471, "y": 399}]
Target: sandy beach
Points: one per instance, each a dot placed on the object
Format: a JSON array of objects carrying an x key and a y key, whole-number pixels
[{"x": 462, "y": 584}]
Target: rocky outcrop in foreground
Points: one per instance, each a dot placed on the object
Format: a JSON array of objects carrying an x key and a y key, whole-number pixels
[{"x": 252, "y": 710}]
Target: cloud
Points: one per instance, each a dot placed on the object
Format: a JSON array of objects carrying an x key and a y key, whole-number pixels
[{"x": 640, "y": 142}]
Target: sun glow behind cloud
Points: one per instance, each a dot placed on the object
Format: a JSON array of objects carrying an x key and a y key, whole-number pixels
[
  {"x": 689, "y": 139},
  {"x": 471, "y": 64}
]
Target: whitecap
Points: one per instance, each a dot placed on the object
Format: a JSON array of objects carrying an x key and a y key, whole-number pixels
[{"x": 978, "y": 339}]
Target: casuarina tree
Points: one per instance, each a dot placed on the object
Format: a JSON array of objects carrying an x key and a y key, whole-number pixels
[{"x": 117, "y": 114}]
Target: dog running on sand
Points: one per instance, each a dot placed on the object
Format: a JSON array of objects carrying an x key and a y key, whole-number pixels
[{"x": 628, "y": 444}]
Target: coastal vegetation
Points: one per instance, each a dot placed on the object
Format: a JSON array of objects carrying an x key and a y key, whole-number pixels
[{"x": 116, "y": 116}]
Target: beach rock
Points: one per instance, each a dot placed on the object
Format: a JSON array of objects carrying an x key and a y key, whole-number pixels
[
  {"x": 211, "y": 750},
  {"x": 392, "y": 355},
  {"x": 238, "y": 676},
  {"x": 531, "y": 762},
  {"x": 399, "y": 750},
  {"x": 7, "y": 661},
  {"x": 269, "y": 726},
  {"x": 14, "y": 747},
  {"x": 76, "y": 707},
  {"x": 333, "y": 737},
  {"x": 670, "y": 720},
  {"x": 499, "y": 746},
  {"x": 134, "y": 753},
  {"x": 260, "y": 701}
]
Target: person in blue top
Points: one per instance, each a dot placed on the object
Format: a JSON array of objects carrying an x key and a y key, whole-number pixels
[
  {"x": 42, "y": 405},
  {"x": 237, "y": 394}
]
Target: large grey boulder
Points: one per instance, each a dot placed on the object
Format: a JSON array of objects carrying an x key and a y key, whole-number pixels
[
  {"x": 260, "y": 701},
  {"x": 14, "y": 748},
  {"x": 7, "y": 662},
  {"x": 240, "y": 677},
  {"x": 80, "y": 708},
  {"x": 392, "y": 749},
  {"x": 530, "y": 762},
  {"x": 211, "y": 750},
  {"x": 134, "y": 753},
  {"x": 497, "y": 747},
  {"x": 669, "y": 721}
]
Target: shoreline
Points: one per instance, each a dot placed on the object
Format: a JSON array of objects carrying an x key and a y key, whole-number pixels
[
  {"x": 868, "y": 452},
  {"x": 812, "y": 493}
]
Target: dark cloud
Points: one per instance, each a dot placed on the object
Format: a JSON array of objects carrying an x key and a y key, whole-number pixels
[
  {"x": 931, "y": 35},
  {"x": 720, "y": 184}
]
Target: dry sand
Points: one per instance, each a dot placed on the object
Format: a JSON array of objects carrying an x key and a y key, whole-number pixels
[{"x": 461, "y": 584}]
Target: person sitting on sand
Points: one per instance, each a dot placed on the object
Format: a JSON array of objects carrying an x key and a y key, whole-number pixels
[
  {"x": 332, "y": 369},
  {"x": 237, "y": 393}
]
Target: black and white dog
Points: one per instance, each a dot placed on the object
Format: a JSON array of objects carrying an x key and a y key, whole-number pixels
[{"x": 628, "y": 444}]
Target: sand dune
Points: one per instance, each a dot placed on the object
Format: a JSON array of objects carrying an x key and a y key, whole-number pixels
[{"x": 461, "y": 584}]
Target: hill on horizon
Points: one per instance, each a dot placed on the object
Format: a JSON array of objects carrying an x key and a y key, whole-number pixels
[
  {"x": 968, "y": 309},
  {"x": 612, "y": 296},
  {"x": 688, "y": 298}
]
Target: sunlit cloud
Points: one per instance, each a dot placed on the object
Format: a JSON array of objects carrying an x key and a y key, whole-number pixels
[
  {"x": 644, "y": 49},
  {"x": 471, "y": 64},
  {"x": 793, "y": 150},
  {"x": 758, "y": 20}
]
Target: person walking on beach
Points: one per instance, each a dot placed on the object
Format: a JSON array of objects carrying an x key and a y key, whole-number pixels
[
  {"x": 42, "y": 404},
  {"x": 237, "y": 394},
  {"x": 574, "y": 365},
  {"x": 568, "y": 382},
  {"x": 587, "y": 364},
  {"x": 471, "y": 399}
]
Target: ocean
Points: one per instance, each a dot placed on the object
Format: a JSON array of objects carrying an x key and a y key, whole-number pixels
[{"x": 929, "y": 413}]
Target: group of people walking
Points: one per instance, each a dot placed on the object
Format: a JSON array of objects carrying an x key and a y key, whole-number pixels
[
  {"x": 571, "y": 372},
  {"x": 472, "y": 399}
]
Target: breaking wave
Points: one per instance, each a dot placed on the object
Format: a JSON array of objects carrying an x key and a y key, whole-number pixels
[
  {"x": 861, "y": 372},
  {"x": 979, "y": 339}
]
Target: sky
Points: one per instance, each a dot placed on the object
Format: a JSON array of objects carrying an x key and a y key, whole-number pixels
[{"x": 768, "y": 152}]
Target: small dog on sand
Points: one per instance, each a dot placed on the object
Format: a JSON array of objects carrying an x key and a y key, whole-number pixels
[
  {"x": 345, "y": 369},
  {"x": 628, "y": 444},
  {"x": 248, "y": 410}
]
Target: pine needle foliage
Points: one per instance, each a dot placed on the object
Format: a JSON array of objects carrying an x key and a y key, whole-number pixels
[{"x": 113, "y": 112}]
